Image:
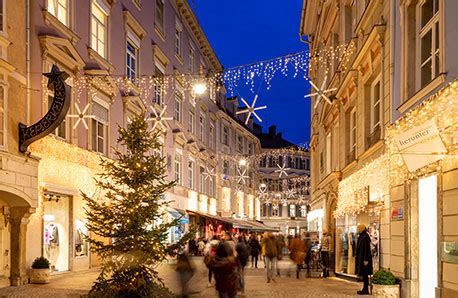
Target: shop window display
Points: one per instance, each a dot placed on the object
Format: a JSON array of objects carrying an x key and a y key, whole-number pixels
[
  {"x": 81, "y": 244},
  {"x": 56, "y": 231}
]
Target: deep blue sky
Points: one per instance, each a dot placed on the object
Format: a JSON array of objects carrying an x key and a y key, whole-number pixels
[{"x": 246, "y": 31}]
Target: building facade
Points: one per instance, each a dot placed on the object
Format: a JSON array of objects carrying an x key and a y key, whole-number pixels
[
  {"x": 284, "y": 184},
  {"x": 384, "y": 148},
  {"x": 113, "y": 51}
]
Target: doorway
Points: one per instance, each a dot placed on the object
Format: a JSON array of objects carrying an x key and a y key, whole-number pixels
[{"x": 427, "y": 236}]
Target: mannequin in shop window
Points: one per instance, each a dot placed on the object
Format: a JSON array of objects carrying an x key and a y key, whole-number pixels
[
  {"x": 51, "y": 241},
  {"x": 374, "y": 233}
]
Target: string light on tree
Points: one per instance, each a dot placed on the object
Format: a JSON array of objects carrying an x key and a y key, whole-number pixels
[
  {"x": 81, "y": 116},
  {"x": 251, "y": 109}
]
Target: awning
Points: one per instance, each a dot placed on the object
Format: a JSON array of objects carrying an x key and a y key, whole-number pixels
[
  {"x": 180, "y": 215},
  {"x": 236, "y": 223},
  {"x": 261, "y": 227}
]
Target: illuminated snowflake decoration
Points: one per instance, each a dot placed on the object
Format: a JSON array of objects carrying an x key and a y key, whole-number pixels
[
  {"x": 321, "y": 92},
  {"x": 242, "y": 176},
  {"x": 209, "y": 174},
  {"x": 251, "y": 109},
  {"x": 159, "y": 118},
  {"x": 262, "y": 190},
  {"x": 282, "y": 170},
  {"x": 81, "y": 116},
  {"x": 290, "y": 193}
]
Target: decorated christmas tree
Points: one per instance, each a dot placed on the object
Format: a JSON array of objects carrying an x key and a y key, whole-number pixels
[{"x": 127, "y": 227}]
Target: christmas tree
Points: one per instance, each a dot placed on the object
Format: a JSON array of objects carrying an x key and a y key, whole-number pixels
[{"x": 126, "y": 224}]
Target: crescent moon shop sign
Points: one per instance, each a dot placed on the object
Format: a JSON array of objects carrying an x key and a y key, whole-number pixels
[{"x": 55, "y": 115}]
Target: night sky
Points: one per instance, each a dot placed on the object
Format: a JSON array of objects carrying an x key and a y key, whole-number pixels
[{"x": 246, "y": 31}]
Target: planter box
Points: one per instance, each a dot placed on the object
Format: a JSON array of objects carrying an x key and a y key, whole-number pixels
[
  {"x": 391, "y": 291},
  {"x": 39, "y": 276}
]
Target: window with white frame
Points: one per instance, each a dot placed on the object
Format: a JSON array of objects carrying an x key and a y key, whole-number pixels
[
  {"x": 375, "y": 106},
  {"x": 225, "y": 167},
  {"x": 192, "y": 58},
  {"x": 225, "y": 135},
  {"x": 202, "y": 180},
  {"x": 212, "y": 135},
  {"x": 428, "y": 33},
  {"x": 131, "y": 60},
  {"x": 159, "y": 71},
  {"x": 178, "y": 160},
  {"x": 212, "y": 187},
  {"x": 275, "y": 210},
  {"x": 239, "y": 143},
  {"x": 178, "y": 106},
  {"x": 99, "y": 32},
  {"x": 201, "y": 127},
  {"x": 303, "y": 211},
  {"x": 191, "y": 174},
  {"x": 59, "y": 9},
  {"x": 3, "y": 115},
  {"x": 191, "y": 120},
  {"x": 159, "y": 20},
  {"x": 178, "y": 38},
  {"x": 352, "y": 144},
  {"x": 292, "y": 210},
  {"x": 99, "y": 127}
]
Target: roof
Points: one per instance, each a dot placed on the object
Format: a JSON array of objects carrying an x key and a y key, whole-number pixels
[{"x": 272, "y": 139}]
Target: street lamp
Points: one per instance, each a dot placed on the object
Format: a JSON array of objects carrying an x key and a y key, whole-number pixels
[
  {"x": 199, "y": 88},
  {"x": 242, "y": 162}
]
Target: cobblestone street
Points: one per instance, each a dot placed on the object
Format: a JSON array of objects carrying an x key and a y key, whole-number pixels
[{"x": 78, "y": 284}]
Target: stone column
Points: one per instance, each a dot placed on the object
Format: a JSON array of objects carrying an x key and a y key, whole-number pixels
[{"x": 19, "y": 220}]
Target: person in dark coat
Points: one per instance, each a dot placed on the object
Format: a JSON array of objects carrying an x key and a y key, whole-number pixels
[
  {"x": 243, "y": 252},
  {"x": 363, "y": 261},
  {"x": 225, "y": 267},
  {"x": 255, "y": 247}
]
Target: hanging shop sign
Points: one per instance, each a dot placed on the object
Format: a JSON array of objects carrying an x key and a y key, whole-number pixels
[
  {"x": 421, "y": 145},
  {"x": 55, "y": 115},
  {"x": 397, "y": 213}
]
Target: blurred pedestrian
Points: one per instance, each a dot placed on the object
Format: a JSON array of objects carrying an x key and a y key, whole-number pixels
[
  {"x": 280, "y": 239},
  {"x": 185, "y": 270},
  {"x": 308, "y": 253},
  {"x": 325, "y": 247},
  {"x": 225, "y": 267},
  {"x": 255, "y": 247},
  {"x": 192, "y": 247},
  {"x": 243, "y": 252},
  {"x": 209, "y": 254},
  {"x": 297, "y": 249},
  {"x": 363, "y": 261},
  {"x": 200, "y": 247},
  {"x": 271, "y": 255}
]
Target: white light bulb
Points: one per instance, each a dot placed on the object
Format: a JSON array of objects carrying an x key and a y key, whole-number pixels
[{"x": 199, "y": 88}]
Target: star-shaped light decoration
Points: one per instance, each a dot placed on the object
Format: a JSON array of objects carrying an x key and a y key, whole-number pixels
[
  {"x": 251, "y": 109},
  {"x": 284, "y": 201},
  {"x": 159, "y": 118},
  {"x": 81, "y": 116},
  {"x": 209, "y": 174},
  {"x": 262, "y": 190},
  {"x": 321, "y": 92},
  {"x": 290, "y": 193},
  {"x": 242, "y": 176},
  {"x": 282, "y": 170}
]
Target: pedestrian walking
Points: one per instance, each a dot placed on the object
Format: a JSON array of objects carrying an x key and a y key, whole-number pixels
[
  {"x": 200, "y": 247},
  {"x": 255, "y": 247},
  {"x": 209, "y": 254},
  {"x": 363, "y": 261},
  {"x": 185, "y": 270},
  {"x": 325, "y": 247},
  {"x": 225, "y": 267},
  {"x": 280, "y": 239},
  {"x": 297, "y": 249},
  {"x": 308, "y": 253},
  {"x": 242, "y": 256},
  {"x": 271, "y": 255}
]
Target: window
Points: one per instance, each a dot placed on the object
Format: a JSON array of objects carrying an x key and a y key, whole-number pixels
[
  {"x": 191, "y": 174},
  {"x": 352, "y": 133},
  {"x": 159, "y": 71},
  {"x": 429, "y": 41},
  {"x": 192, "y": 58},
  {"x": 178, "y": 38},
  {"x": 239, "y": 143},
  {"x": 59, "y": 9},
  {"x": 2, "y": 15},
  {"x": 99, "y": 128},
  {"x": 159, "y": 20},
  {"x": 191, "y": 121},
  {"x": 178, "y": 106},
  {"x": 131, "y": 61},
  {"x": 275, "y": 210},
  {"x": 202, "y": 180},
  {"x": 2, "y": 115},
  {"x": 292, "y": 210},
  {"x": 225, "y": 135},
  {"x": 201, "y": 127},
  {"x": 178, "y": 159},
  {"x": 226, "y": 167},
  {"x": 250, "y": 149},
  {"x": 212, "y": 187},
  {"x": 328, "y": 152},
  {"x": 212, "y": 136},
  {"x": 98, "y": 29},
  {"x": 375, "y": 106},
  {"x": 303, "y": 211}
]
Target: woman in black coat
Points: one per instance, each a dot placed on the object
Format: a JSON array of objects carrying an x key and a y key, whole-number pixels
[
  {"x": 363, "y": 261},
  {"x": 255, "y": 247}
]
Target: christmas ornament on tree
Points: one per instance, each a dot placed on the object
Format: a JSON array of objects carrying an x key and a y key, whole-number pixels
[{"x": 127, "y": 227}]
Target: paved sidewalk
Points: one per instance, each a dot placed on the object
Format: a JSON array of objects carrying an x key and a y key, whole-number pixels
[{"x": 78, "y": 284}]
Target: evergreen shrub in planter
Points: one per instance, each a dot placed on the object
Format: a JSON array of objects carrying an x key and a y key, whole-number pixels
[
  {"x": 40, "y": 271},
  {"x": 385, "y": 284}
]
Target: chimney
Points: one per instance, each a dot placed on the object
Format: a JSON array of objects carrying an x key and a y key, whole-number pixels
[
  {"x": 272, "y": 131},
  {"x": 279, "y": 136}
]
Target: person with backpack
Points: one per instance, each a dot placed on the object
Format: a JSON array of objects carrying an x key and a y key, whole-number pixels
[
  {"x": 209, "y": 254},
  {"x": 255, "y": 247},
  {"x": 242, "y": 257}
]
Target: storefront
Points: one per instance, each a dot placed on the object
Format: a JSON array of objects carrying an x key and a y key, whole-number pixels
[{"x": 423, "y": 151}]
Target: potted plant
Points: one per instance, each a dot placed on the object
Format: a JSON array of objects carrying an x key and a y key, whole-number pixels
[
  {"x": 385, "y": 284},
  {"x": 40, "y": 271}
]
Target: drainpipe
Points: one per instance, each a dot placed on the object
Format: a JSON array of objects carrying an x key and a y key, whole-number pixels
[
  {"x": 392, "y": 49},
  {"x": 27, "y": 38}
]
